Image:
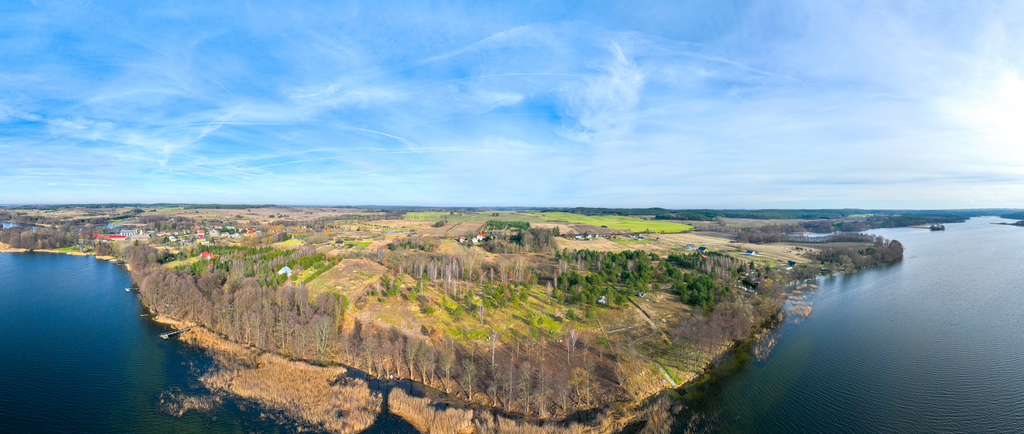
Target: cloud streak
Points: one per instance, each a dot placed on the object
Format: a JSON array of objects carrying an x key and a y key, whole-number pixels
[{"x": 768, "y": 104}]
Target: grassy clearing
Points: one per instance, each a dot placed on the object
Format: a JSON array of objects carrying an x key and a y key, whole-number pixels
[
  {"x": 632, "y": 241},
  {"x": 615, "y": 222},
  {"x": 474, "y": 216},
  {"x": 186, "y": 261},
  {"x": 291, "y": 242},
  {"x": 358, "y": 243}
]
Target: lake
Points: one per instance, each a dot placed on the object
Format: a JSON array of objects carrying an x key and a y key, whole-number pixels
[
  {"x": 931, "y": 344},
  {"x": 934, "y": 343},
  {"x": 77, "y": 356}
]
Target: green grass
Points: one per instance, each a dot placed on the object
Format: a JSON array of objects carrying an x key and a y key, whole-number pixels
[
  {"x": 358, "y": 243},
  {"x": 291, "y": 242},
  {"x": 614, "y": 222},
  {"x": 429, "y": 216},
  {"x": 632, "y": 241},
  {"x": 474, "y": 216}
]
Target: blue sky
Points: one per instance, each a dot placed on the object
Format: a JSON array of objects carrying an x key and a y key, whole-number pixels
[{"x": 677, "y": 104}]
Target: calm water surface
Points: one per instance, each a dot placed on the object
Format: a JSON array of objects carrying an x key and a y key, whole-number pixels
[
  {"x": 934, "y": 343},
  {"x": 76, "y": 356}
]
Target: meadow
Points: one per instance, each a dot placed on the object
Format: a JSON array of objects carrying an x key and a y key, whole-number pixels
[{"x": 614, "y": 222}]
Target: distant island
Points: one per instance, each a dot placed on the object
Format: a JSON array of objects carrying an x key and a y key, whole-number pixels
[{"x": 538, "y": 313}]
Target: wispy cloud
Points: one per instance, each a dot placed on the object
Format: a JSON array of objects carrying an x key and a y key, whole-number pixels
[{"x": 679, "y": 105}]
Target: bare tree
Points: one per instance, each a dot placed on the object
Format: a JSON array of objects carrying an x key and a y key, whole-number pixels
[
  {"x": 468, "y": 376},
  {"x": 323, "y": 334},
  {"x": 447, "y": 362},
  {"x": 509, "y": 377},
  {"x": 494, "y": 343},
  {"x": 525, "y": 384},
  {"x": 428, "y": 359},
  {"x": 412, "y": 354},
  {"x": 541, "y": 395}
]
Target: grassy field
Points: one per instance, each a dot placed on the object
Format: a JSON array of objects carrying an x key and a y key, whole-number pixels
[
  {"x": 291, "y": 242},
  {"x": 614, "y": 222},
  {"x": 632, "y": 241},
  {"x": 474, "y": 216}
]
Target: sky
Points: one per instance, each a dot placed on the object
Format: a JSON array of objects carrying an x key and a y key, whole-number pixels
[{"x": 676, "y": 104}]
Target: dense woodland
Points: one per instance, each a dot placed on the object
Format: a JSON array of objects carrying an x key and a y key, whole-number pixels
[{"x": 38, "y": 237}]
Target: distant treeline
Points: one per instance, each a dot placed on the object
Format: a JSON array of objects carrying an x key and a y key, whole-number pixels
[
  {"x": 779, "y": 233},
  {"x": 39, "y": 238},
  {"x": 883, "y": 251},
  {"x": 216, "y": 206},
  {"x": 1013, "y": 216},
  {"x": 526, "y": 240},
  {"x": 776, "y": 214},
  {"x": 497, "y": 225},
  {"x": 23, "y": 219}
]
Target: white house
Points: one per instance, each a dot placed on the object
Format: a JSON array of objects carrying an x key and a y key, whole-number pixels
[{"x": 285, "y": 270}]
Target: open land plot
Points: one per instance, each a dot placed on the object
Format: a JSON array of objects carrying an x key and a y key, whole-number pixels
[
  {"x": 351, "y": 278},
  {"x": 459, "y": 217},
  {"x": 612, "y": 318},
  {"x": 467, "y": 228},
  {"x": 615, "y": 222},
  {"x": 292, "y": 243},
  {"x": 439, "y": 232},
  {"x": 739, "y": 223}
]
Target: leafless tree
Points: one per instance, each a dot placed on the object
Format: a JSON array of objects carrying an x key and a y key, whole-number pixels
[
  {"x": 447, "y": 363},
  {"x": 323, "y": 334},
  {"x": 468, "y": 376},
  {"x": 428, "y": 359},
  {"x": 494, "y": 343},
  {"x": 412, "y": 354}
]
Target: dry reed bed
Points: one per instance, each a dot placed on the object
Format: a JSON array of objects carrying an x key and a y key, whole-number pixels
[
  {"x": 320, "y": 396},
  {"x": 177, "y": 403},
  {"x": 421, "y": 413}
]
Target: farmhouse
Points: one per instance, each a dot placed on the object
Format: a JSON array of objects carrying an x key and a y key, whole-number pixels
[{"x": 207, "y": 255}]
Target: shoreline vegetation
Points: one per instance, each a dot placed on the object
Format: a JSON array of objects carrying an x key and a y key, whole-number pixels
[
  {"x": 321, "y": 396},
  {"x": 523, "y": 329}
]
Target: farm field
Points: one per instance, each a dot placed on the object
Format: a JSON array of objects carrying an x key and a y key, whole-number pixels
[
  {"x": 466, "y": 217},
  {"x": 614, "y": 222}
]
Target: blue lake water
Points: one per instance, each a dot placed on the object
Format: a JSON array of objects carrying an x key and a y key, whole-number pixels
[
  {"x": 76, "y": 356},
  {"x": 934, "y": 343}
]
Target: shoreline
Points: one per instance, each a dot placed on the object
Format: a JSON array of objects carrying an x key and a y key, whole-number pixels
[
  {"x": 485, "y": 419},
  {"x": 269, "y": 379},
  {"x": 324, "y": 397},
  {"x": 4, "y": 248}
]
